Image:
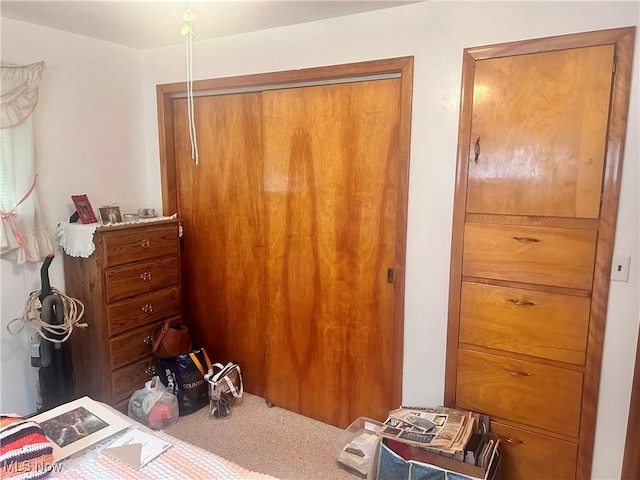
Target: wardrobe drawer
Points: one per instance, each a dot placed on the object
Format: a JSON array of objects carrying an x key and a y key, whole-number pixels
[
  {"x": 137, "y": 244},
  {"x": 546, "y": 256},
  {"x": 529, "y": 393},
  {"x": 142, "y": 277},
  {"x": 530, "y": 456},
  {"x": 132, "y": 377},
  {"x": 134, "y": 344},
  {"x": 541, "y": 324},
  {"x": 137, "y": 311}
]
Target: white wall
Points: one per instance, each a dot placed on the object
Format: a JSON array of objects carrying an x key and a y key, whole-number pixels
[
  {"x": 89, "y": 138},
  {"x": 435, "y": 34}
]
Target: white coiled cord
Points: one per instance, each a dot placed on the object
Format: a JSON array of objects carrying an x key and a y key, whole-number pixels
[{"x": 73, "y": 312}]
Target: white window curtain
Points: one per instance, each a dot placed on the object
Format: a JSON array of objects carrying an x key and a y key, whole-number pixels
[{"x": 23, "y": 234}]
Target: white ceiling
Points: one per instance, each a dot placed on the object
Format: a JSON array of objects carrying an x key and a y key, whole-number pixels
[{"x": 156, "y": 23}]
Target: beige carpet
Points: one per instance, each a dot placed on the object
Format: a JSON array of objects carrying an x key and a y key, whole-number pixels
[{"x": 267, "y": 440}]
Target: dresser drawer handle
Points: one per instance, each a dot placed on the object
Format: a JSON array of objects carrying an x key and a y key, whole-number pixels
[
  {"x": 147, "y": 308},
  {"x": 145, "y": 243},
  {"x": 148, "y": 340},
  {"x": 150, "y": 370},
  {"x": 527, "y": 239},
  {"x": 522, "y": 303},
  {"x": 146, "y": 276},
  {"x": 516, "y": 374},
  {"x": 512, "y": 440}
]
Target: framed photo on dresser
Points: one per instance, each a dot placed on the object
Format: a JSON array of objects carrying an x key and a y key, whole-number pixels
[
  {"x": 84, "y": 209},
  {"x": 110, "y": 215}
]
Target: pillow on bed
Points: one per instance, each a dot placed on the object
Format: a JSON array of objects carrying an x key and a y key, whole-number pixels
[{"x": 25, "y": 451}]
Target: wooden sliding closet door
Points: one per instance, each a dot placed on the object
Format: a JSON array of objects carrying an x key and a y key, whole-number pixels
[
  {"x": 331, "y": 190},
  {"x": 295, "y": 230},
  {"x": 220, "y": 205}
]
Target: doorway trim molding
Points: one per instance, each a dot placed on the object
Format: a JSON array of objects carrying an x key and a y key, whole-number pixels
[
  {"x": 400, "y": 66},
  {"x": 631, "y": 461}
]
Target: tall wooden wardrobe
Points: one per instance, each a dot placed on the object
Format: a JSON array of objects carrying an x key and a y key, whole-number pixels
[
  {"x": 541, "y": 136},
  {"x": 294, "y": 230}
]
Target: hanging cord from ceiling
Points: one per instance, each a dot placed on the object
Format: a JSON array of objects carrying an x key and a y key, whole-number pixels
[
  {"x": 73, "y": 311},
  {"x": 187, "y": 31}
]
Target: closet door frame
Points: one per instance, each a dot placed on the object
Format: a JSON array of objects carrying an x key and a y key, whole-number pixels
[
  {"x": 623, "y": 40},
  {"x": 401, "y": 66}
]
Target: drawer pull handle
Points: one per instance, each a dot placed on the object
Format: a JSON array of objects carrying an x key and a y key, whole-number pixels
[
  {"x": 147, "y": 308},
  {"x": 522, "y": 303},
  {"x": 146, "y": 276},
  {"x": 516, "y": 374},
  {"x": 145, "y": 243},
  {"x": 148, "y": 340},
  {"x": 512, "y": 440},
  {"x": 527, "y": 239},
  {"x": 150, "y": 370}
]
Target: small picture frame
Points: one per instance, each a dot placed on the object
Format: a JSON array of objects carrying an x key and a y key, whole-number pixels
[
  {"x": 110, "y": 215},
  {"x": 84, "y": 209}
]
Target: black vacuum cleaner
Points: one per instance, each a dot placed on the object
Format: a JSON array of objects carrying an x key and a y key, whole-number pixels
[{"x": 55, "y": 373}]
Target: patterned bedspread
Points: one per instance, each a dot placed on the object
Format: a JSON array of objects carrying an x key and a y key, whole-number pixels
[{"x": 181, "y": 461}]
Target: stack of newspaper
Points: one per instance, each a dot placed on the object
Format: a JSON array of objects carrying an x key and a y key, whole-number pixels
[{"x": 443, "y": 430}]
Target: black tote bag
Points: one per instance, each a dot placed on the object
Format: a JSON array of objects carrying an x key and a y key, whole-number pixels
[{"x": 184, "y": 377}]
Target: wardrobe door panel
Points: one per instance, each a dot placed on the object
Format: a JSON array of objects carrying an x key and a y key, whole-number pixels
[
  {"x": 220, "y": 200},
  {"x": 331, "y": 179},
  {"x": 550, "y": 163}
]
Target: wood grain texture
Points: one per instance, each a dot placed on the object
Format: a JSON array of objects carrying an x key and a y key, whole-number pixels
[
  {"x": 135, "y": 244},
  {"x": 287, "y": 77},
  {"x": 547, "y": 256},
  {"x": 221, "y": 203},
  {"x": 520, "y": 391},
  {"x": 331, "y": 196},
  {"x": 529, "y": 322},
  {"x": 631, "y": 463},
  {"x": 133, "y": 312},
  {"x": 457, "y": 233},
  {"x": 139, "y": 278},
  {"x": 117, "y": 311},
  {"x": 550, "y": 163},
  {"x": 624, "y": 42},
  {"x": 532, "y": 456},
  {"x": 613, "y": 47},
  {"x": 134, "y": 344},
  {"x": 168, "y": 176},
  {"x": 84, "y": 280},
  {"x": 249, "y": 342},
  {"x": 132, "y": 377}
]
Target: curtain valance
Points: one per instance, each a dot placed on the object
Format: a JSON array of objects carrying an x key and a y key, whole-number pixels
[{"x": 19, "y": 92}]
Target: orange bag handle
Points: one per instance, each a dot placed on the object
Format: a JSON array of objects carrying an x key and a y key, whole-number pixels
[{"x": 197, "y": 362}]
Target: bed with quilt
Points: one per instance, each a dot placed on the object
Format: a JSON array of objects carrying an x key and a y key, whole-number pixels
[{"x": 27, "y": 452}]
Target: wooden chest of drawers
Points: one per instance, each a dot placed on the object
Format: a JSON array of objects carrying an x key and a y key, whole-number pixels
[{"x": 130, "y": 285}]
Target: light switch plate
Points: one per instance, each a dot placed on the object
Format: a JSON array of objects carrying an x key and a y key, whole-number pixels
[{"x": 620, "y": 268}]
